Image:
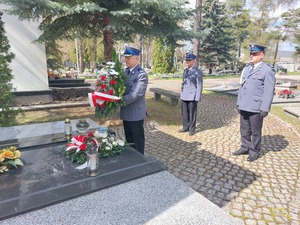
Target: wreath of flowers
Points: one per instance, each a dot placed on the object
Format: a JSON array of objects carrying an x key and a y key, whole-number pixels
[
  {"x": 106, "y": 144},
  {"x": 10, "y": 159},
  {"x": 110, "y": 83}
]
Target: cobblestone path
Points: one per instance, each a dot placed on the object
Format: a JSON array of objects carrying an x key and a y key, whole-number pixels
[{"x": 262, "y": 192}]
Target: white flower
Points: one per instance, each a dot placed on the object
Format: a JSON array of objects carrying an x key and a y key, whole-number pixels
[
  {"x": 107, "y": 148},
  {"x": 104, "y": 140},
  {"x": 120, "y": 142},
  {"x": 114, "y": 72},
  {"x": 115, "y": 143},
  {"x": 110, "y": 63}
]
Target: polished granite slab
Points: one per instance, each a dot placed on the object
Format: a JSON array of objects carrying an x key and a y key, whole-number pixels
[
  {"x": 35, "y": 134},
  {"x": 48, "y": 177}
]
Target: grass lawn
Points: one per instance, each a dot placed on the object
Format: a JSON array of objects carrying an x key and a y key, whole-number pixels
[{"x": 159, "y": 111}]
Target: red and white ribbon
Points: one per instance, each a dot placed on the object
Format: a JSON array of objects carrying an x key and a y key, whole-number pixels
[
  {"x": 79, "y": 143},
  {"x": 98, "y": 98}
]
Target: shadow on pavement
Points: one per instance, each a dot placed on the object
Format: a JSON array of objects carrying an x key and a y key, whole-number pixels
[
  {"x": 216, "y": 178},
  {"x": 273, "y": 143}
]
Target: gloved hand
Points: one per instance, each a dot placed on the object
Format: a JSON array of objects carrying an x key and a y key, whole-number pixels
[{"x": 263, "y": 114}]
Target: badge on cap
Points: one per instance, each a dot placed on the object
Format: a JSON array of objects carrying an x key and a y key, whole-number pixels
[
  {"x": 256, "y": 48},
  {"x": 130, "y": 51}
]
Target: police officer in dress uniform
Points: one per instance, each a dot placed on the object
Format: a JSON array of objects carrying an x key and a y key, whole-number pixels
[
  {"x": 191, "y": 93},
  {"x": 133, "y": 112},
  {"x": 254, "y": 101}
]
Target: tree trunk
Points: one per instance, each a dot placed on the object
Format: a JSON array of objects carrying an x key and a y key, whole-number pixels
[
  {"x": 139, "y": 41},
  {"x": 276, "y": 52},
  {"x": 197, "y": 27},
  {"x": 107, "y": 39},
  {"x": 80, "y": 55}
]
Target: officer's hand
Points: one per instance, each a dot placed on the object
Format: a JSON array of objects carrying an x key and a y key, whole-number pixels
[{"x": 263, "y": 114}]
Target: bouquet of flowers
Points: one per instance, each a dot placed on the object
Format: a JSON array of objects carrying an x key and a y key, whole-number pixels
[
  {"x": 9, "y": 159},
  {"x": 286, "y": 94},
  {"x": 107, "y": 144},
  {"x": 110, "y": 87}
]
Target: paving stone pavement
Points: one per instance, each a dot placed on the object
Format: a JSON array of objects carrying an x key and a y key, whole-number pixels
[{"x": 266, "y": 191}]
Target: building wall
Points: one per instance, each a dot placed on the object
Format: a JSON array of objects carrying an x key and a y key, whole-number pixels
[{"x": 29, "y": 65}]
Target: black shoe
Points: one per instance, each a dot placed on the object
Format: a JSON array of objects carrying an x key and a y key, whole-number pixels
[
  {"x": 241, "y": 152},
  {"x": 191, "y": 133},
  {"x": 183, "y": 130},
  {"x": 252, "y": 158}
]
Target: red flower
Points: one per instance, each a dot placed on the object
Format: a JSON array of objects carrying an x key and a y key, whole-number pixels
[
  {"x": 90, "y": 134},
  {"x": 83, "y": 147},
  {"x": 110, "y": 92},
  {"x": 112, "y": 82},
  {"x": 103, "y": 78},
  {"x": 97, "y": 83},
  {"x": 103, "y": 86}
]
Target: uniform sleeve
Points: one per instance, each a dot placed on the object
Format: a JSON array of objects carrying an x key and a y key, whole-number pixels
[
  {"x": 268, "y": 94},
  {"x": 199, "y": 86},
  {"x": 242, "y": 74},
  {"x": 138, "y": 89}
]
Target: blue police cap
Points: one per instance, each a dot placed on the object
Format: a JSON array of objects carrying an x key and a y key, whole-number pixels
[
  {"x": 257, "y": 48},
  {"x": 129, "y": 51},
  {"x": 190, "y": 56}
]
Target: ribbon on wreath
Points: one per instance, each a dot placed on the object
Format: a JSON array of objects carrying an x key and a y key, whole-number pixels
[
  {"x": 98, "y": 98},
  {"x": 79, "y": 143}
]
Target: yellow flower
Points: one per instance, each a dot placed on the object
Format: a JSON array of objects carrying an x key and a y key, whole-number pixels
[
  {"x": 1, "y": 157},
  {"x": 8, "y": 154},
  {"x": 17, "y": 154}
]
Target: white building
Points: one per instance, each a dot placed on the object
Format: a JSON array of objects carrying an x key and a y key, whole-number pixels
[{"x": 29, "y": 66}]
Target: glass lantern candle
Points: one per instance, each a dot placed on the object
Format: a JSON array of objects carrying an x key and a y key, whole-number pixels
[
  {"x": 82, "y": 126},
  {"x": 68, "y": 128},
  {"x": 93, "y": 162}
]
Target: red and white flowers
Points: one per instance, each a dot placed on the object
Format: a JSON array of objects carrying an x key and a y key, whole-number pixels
[
  {"x": 109, "y": 90},
  {"x": 106, "y": 144}
]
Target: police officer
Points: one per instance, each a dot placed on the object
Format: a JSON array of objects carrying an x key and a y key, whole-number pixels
[
  {"x": 254, "y": 101},
  {"x": 191, "y": 93},
  {"x": 133, "y": 112}
]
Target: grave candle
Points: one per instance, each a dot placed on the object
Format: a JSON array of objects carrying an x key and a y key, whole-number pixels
[{"x": 93, "y": 162}]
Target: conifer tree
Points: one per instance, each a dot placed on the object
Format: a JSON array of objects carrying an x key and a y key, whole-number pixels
[
  {"x": 216, "y": 41},
  {"x": 7, "y": 114},
  {"x": 163, "y": 56},
  {"x": 113, "y": 20}
]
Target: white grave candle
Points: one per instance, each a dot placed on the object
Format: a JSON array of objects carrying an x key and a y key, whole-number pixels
[{"x": 93, "y": 162}]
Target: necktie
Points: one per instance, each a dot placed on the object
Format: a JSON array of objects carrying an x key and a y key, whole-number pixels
[
  {"x": 252, "y": 68},
  {"x": 127, "y": 71}
]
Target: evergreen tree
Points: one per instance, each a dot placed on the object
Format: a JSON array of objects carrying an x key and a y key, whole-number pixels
[
  {"x": 239, "y": 19},
  {"x": 163, "y": 56},
  {"x": 291, "y": 23},
  {"x": 114, "y": 19},
  {"x": 7, "y": 114},
  {"x": 216, "y": 41}
]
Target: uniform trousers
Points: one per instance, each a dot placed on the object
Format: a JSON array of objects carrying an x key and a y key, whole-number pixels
[
  {"x": 251, "y": 131},
  {"x": 189, "y": 114},
  {"x": 134, "y": 134}
]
